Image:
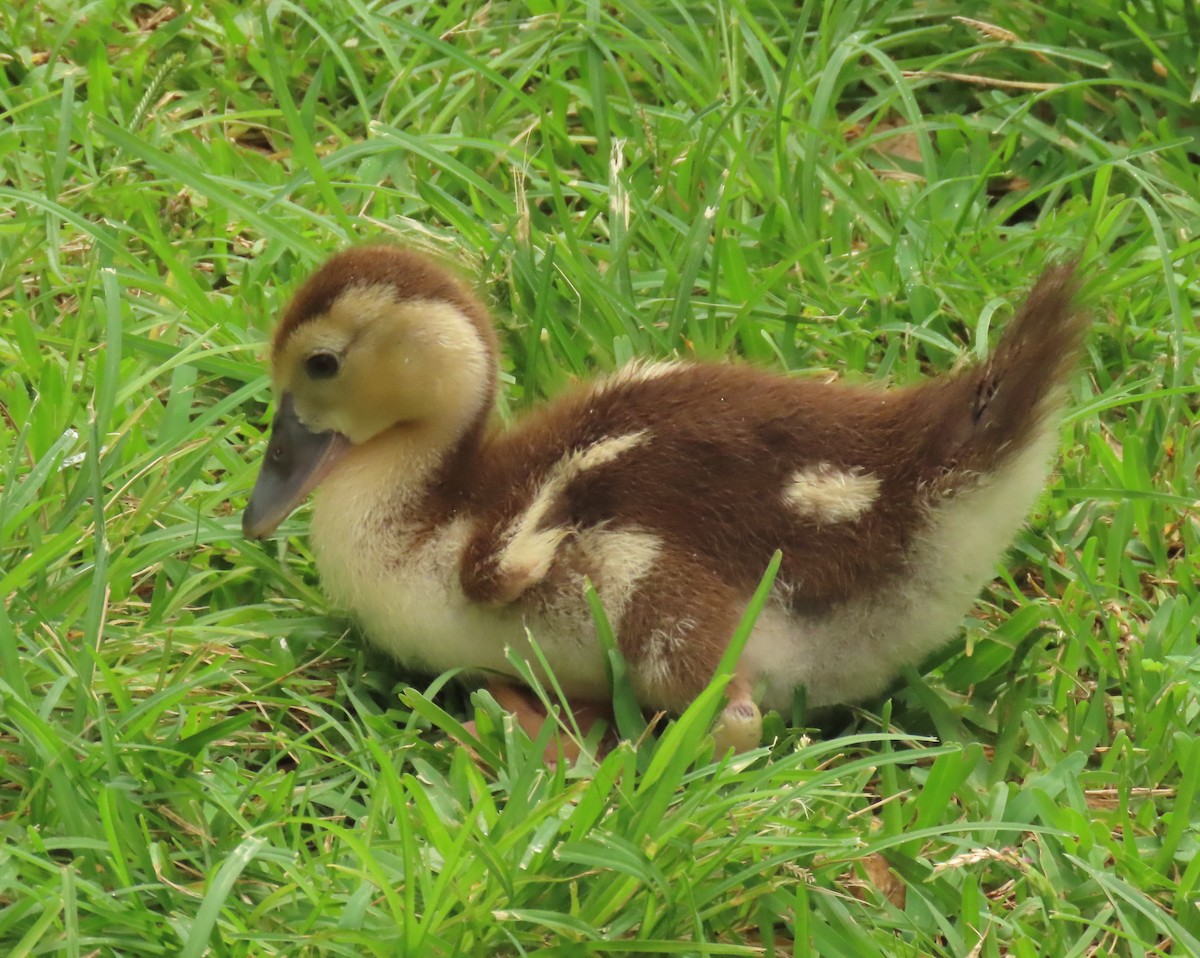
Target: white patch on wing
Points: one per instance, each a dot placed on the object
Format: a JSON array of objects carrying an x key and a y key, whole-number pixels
[
  {"x": 529, "y": 549},
  {"x": 639, "y": 371},
  {"x": 620, "y": 559},
  {"x": 616, "y": 561},
  {"x": 658, "y": 664},
  {"x": 828, "y": 494}
]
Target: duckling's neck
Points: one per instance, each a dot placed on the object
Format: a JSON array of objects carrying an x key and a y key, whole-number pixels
[{"x": 409, "y": 468}]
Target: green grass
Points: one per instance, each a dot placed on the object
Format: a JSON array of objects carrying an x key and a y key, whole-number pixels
[{"x": 197, "y": 757}]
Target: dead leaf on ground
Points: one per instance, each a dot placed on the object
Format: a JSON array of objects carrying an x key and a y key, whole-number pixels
[{"x": 881, "y": 878}]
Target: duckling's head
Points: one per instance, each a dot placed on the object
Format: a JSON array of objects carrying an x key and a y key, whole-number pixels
[{"x": 378, "y": 341}]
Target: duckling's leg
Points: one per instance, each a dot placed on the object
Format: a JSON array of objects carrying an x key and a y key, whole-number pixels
[{"x": 673, "y": 633}]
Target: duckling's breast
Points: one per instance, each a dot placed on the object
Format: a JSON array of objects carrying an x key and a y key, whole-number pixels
[{"x": 400, "y": 578}]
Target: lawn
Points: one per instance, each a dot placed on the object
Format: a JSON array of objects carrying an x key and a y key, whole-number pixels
[{"x": 197, "y": 755}]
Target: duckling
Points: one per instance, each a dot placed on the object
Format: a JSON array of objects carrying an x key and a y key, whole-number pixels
[{"x": 667, "y": 485}]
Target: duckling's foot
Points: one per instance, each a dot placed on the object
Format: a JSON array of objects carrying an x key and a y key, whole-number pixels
[
  {"x": 532, "y": 717},
  {"x": 739, "y": 727}
]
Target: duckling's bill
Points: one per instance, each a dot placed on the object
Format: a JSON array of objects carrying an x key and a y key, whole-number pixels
[{"x": 296, "y": 461}]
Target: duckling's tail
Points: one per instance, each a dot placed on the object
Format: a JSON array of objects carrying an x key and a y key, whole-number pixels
[{"x": 989, "y": 412}]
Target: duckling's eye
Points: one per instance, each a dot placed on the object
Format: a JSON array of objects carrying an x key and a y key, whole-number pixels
[{"x": 322, "y": 365}]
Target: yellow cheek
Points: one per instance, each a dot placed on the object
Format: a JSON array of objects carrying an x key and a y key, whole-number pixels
[
  {"x": 373, "y": 407},
  {"x": 311, "y": 411}
]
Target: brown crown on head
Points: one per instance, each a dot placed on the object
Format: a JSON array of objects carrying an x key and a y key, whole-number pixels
[{"x": 412, "y": 276}]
